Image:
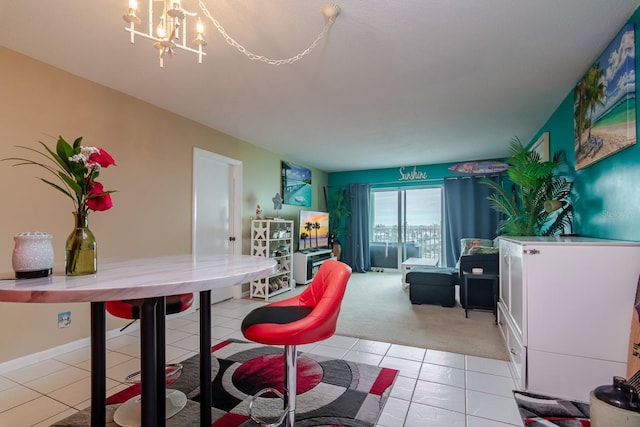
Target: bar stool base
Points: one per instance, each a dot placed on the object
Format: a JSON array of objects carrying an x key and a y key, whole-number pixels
[
  {"x": 129, "y": 414},
  {"x": 262, "y": 423}
]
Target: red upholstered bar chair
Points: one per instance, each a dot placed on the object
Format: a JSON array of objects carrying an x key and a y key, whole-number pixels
[
  {"x": 303, "y": 319},
  {"x": 129, "y": 413}
]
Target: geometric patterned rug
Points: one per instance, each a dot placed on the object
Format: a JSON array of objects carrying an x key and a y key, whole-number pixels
[
  {"x": 331, "y": 392},
  {"x": 545, "y": 411}
]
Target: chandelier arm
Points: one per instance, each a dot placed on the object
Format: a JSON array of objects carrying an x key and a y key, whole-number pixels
[{"x": 251, "y": 55}]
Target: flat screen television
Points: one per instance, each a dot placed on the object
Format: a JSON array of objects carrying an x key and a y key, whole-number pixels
[{"x": 314, "y": 231}]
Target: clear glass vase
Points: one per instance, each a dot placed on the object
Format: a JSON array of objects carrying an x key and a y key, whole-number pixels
[{"x": 81, "y": 255}]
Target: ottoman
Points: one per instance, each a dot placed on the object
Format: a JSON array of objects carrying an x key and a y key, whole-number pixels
[{"x": 428, "y": 285}]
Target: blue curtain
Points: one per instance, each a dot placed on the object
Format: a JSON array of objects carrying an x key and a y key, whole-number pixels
[
  {"x": 356, "y": 251},
  {"x": 467, "y": 213}
]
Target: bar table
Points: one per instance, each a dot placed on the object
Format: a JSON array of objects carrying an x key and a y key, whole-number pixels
[{"x": 150, "y": 279}]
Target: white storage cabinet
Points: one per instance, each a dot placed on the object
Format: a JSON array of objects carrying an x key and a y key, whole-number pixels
[{"x": 565, "y": 311}]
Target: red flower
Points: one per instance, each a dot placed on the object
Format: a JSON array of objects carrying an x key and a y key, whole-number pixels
[
  {"x": 102, "y": 158},
  {"x": 98, "y": 200}
]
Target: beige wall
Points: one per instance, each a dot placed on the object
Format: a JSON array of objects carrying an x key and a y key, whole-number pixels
[{"x": 152, "y": 208}]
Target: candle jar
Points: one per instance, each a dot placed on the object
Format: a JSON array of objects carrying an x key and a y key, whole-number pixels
[{"x": 32, "y": 255}]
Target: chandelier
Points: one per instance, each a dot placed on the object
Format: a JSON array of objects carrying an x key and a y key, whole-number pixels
[{"x": 171, "y": 30}]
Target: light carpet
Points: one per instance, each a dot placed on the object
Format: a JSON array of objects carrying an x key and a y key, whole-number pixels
[{"x": 376, "y": 307}]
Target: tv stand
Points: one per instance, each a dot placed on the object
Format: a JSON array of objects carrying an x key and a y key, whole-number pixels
[{"x": 307, "y": 263}]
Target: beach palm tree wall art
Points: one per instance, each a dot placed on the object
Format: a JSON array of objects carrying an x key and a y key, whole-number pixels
[
  {"x": 296, "y": 184},
  {"x": 605, "y": 102}
]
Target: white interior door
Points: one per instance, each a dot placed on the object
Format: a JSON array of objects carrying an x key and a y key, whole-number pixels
[{"x": 216, "y": 210}]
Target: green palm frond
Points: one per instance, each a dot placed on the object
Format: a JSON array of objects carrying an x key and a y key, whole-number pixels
[{"x": 535, "y": 183}]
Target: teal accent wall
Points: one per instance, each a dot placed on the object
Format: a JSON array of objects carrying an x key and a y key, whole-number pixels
[{"x": 606, "y": 194}]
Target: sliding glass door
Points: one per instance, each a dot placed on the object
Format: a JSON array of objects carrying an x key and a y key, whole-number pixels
[{"x": 405, "y": 224}]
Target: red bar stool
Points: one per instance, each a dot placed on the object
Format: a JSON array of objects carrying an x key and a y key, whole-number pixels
[
  {"x": 128, "y": 414},
  {"x": 303, "y": 319}
]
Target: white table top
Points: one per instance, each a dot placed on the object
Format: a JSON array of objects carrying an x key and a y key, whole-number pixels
[{"x": 139, "y": 278}]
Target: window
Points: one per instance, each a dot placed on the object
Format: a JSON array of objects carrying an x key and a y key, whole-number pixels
[{"x": 407, "y": 219}]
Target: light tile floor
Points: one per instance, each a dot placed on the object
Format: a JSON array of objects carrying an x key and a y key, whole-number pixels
[{"x": 434, "y": 388}]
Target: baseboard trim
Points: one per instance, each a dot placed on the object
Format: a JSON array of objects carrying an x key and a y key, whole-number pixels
[{"x": 49, "y": 353}]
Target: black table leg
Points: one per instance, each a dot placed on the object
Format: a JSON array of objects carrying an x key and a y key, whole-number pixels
[
  {"x": 98, "y": 365},
  {"x": 205, "y": 358},
  {"x": 495, "y": 300},
  {"x": 466, "y": 297},
  {"x": 149, "y": 362},
  {"x": 161, "y": 339}
]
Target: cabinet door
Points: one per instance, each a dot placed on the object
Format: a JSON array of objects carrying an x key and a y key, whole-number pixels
[
  {"x": 517, "y": 280},
  {"x": 518, "y": 358},
  {"x": 580, "y": 299},
  {"x": 504, "y": 273},
  {"x": 569, "y": 376},
  {"x": 511, "y": 283}
]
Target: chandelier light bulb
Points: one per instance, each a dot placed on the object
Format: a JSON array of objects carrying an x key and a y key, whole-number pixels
[
  {"x": 131, "y": 16},
  {"x": 199, "y": 40},
  {"x": 160, "y": 31}
]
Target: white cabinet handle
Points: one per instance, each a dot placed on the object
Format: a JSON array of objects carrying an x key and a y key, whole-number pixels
[{"x": 515, "y": 353}]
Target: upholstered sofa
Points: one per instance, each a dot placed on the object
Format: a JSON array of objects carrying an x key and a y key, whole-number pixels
[{"x": 385, "y": 254}]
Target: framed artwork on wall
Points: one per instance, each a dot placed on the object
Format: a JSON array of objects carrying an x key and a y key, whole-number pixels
[
  {"x": 604, "y": 103},
  {"x": 541, "y": 147},
  {"x": 296, "y": 184}
]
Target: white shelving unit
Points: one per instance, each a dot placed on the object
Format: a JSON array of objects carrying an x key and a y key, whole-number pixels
[{"x": 273, "y": 239}]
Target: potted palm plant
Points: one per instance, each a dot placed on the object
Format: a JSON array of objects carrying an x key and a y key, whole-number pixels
[
  {"x": 338, "y": 213},
  {"x": 534, "y": 183}
]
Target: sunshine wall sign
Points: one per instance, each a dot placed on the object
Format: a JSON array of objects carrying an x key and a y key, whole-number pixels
[
  {"x": 414, "y": 174},
  {"x": 604, "y": 103}
]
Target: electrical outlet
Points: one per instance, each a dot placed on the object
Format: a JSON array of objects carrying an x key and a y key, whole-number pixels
[{"x": 64, "y": 319}]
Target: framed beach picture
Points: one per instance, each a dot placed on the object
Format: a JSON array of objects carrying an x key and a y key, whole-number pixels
[
  {"x": 541, "y": 147},
  {"x": 605, "y": 103},
  {"x": 296, "y": 184}
]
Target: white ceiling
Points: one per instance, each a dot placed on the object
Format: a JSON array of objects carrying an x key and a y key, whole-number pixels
[{"x": 395, "y": 82}]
